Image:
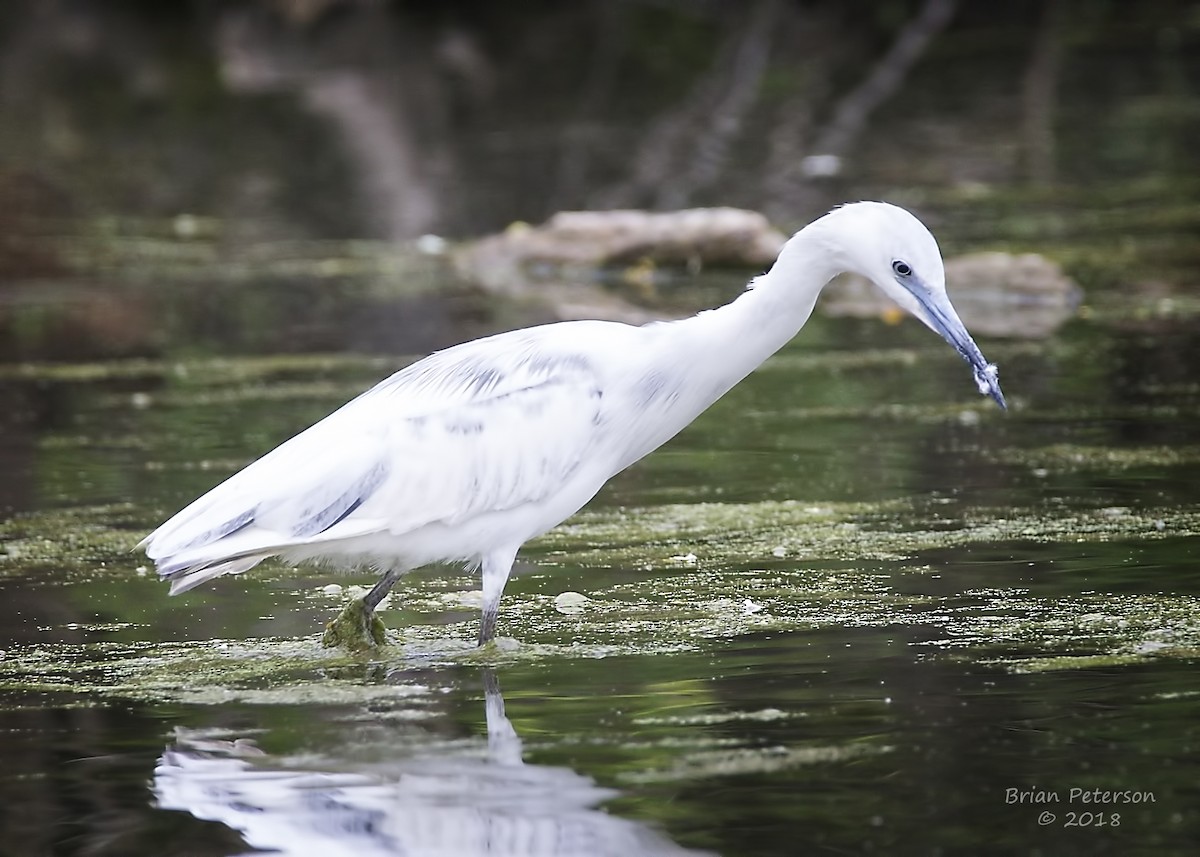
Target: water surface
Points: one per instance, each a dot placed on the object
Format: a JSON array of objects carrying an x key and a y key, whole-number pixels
[{"x": 853, "y": 609}]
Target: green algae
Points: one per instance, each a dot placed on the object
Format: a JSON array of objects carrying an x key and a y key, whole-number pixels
[
  {"x": 674, "y": 535},
  {"x": 356, "y": 629},
  {"x": 743, "y": 761},
  {"x": 200, "y": 372},
  {"x": 709, "y": 571},
  {"x": 264, "y": 671},
  {"x": 874, "y": 359},
  {"x": 211, "y": 672},
  {"x": 1067, "y": 458},
  {"x": 331, "y": 393},
  {"x": 765, "y": 715},
  {"x": 154, "y": 253},
  {"x": 1086, "y": 630},
  {"x": 654, "y": 614},
  {"x": 723, "y": 533},
  {"x": 1060, "y": 663},
  {"x": 92, "y": 539}
]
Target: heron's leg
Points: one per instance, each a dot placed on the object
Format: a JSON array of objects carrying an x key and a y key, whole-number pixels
[
  {"x": 380, "y": 590},
  {"x": 496, "y": 568},
  {"x": 504, "y": 745}
]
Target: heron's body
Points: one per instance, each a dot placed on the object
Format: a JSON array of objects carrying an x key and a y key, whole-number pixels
[{"x": 469, "y": 453}]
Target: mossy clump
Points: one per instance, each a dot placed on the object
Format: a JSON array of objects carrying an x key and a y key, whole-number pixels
[{"x": 356, "y": 629}]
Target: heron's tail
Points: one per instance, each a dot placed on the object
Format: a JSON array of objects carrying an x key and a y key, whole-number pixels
[
  {"x": 188, "y": 565},
  {"x": 183, "y": 579}
]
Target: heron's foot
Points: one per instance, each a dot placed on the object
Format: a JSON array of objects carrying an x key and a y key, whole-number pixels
[
  {"x": 498, "y": 646},
  {"x": 357, "y": 629}
]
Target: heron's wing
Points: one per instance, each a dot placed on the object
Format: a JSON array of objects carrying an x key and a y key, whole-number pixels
[{"x": 467, "y": 431}]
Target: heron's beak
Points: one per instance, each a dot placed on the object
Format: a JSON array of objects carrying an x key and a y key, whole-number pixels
[{"x": 939, "y": 315}]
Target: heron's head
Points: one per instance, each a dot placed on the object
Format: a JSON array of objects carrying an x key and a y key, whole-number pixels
[{"x": 894, "y": 250}]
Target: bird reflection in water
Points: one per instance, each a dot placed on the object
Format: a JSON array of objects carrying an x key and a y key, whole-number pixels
[{"x": 446, "y": 804}]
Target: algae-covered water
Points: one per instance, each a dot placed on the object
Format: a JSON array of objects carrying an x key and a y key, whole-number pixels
[{"x": 853, "y": 609}]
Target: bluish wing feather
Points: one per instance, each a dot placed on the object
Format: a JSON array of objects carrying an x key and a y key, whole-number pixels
[{"x": 235, "y": 524}]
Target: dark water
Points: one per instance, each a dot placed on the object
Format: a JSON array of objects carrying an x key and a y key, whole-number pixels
[{"x": 854, "y": 609}]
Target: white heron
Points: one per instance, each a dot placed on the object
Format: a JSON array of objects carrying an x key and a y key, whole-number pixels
[{"x": 467, "y": 454}]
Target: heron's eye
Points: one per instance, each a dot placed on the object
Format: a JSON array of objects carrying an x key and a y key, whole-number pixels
[{"x": 901, "y": 268}]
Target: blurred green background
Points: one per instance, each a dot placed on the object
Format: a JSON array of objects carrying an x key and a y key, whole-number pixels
[{"x": 143, "y": 141}]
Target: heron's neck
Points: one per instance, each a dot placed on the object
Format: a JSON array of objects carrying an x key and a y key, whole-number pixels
[{"x": 739, "y": 336}]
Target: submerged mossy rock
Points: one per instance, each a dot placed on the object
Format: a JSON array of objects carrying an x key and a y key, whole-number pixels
[
  {"x": 356, "y": 629},
  {"x": 729, "y": 237},
  {"x": 563, "y": 262}
]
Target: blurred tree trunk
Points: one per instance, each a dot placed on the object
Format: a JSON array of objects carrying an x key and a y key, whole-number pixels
[
  {"x": 578, "y": 137},
  {"x": 1040, "y": 96},
  {"x": 810, "y": 35},
  {"x": 375, "y": 129},
  {"x": 792, "y": 165},
  {"x": 852, "y": 112},
  {"x": 375, "y": 83},
  {"x": 710, "y": 150},
  {"x": 716, "y": 107}
]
